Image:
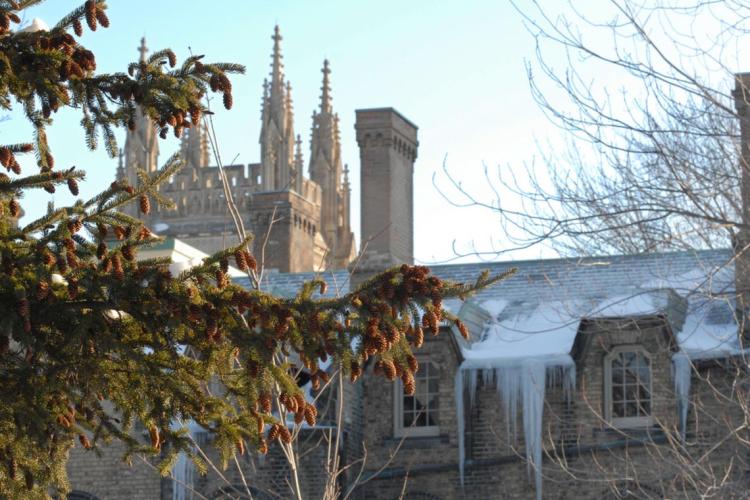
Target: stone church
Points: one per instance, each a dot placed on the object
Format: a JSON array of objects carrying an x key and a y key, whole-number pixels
[{"x": 585, "y": 378}]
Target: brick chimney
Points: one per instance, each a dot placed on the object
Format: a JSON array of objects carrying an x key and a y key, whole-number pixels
[{"x": 387, "y": 150}]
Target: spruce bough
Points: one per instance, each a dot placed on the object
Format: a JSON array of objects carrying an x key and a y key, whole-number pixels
[{"x": 93, "y": 341}]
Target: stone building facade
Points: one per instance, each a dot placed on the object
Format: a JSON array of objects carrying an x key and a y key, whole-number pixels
[{"x": 594, "y": 378}]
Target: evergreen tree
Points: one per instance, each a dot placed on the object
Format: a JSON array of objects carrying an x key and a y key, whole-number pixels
[{"x": 93, "y": 342}]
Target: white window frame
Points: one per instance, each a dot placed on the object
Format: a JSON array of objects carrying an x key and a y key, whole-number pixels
[
  {"x": 399, "y": 430},
  {"x": 627, "y": 422}
]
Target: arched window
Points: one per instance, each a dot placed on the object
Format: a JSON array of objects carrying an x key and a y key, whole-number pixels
[
  {"x": 418, "y": 415},
  {"x": 627, "y": 387}
]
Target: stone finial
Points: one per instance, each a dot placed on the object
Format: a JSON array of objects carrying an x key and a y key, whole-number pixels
[
  {"x": 143, "y": 49},
  {"x": 325, "y": 96},
  {"x": 277, "y": 67}
]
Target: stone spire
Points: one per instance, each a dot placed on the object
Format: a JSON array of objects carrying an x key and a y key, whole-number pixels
[
  {"x": 120, "y": 166},
  {"x": 277, "y": 132},
  {"x": 277, "y": 67},
  {"x": 141, "y": 143},
  {"x": 143, "y": 49},
  {"x": 299, "y": 165},
  {"x": 326, "y": 169},
  {"x": 194, "y": 146},
  {"x": 325, "y": 96}
]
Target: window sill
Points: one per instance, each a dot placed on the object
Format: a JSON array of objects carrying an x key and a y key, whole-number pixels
[
  {"x": 416, "y": 442},
  {"x": 637, "y": 433}
]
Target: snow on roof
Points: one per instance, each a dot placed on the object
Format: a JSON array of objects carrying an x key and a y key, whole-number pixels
[
  {"x": 543, "y": 330},
  {"x": 635, "y": 304}
]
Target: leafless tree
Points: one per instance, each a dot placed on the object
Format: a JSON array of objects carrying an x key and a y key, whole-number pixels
[{"x": 646, "y": 104}]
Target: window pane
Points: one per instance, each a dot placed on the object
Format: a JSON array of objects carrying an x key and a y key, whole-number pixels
[
  {"x": 645, "y": 408},
  {"x": 618, "y": 410},
  {"x": 616, "y": 392},
  {"x": 616, "y": 363},
  {"x": 628, "y": 358},
  {"x": 631, "y": 392},
  {"x": 408, "y": 403},
  {"x": 631, "y": 409},
  {"x": 616, "y": 375},
  {"x": 408, "y": 418},
  {"x": 643, "y": 392}
]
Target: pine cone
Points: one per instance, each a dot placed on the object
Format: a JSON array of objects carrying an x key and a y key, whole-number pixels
[
  {"x": 73, "y": 186},
  {"x": 410, "y": 388},
  {"x": 413, "y": 363},
  {"x": 284, "y": 434},
  {"x": 72, "y": 259},
  {"x": 273, "y": 433},
  {"x": 117, "y": 267},
  {"x": 251, "y": 262},
  {"x": 153, "y": 432},
  {"x": 101, "y": 250},
  {"x": 228, "y": 101},
  {"x": 392, "y": 334},
  {"x": 145, "y": 204},
  {"x": 128, "y": 252},
  {"x": 102, "y": 18},
  {"x": 389, "y": 369},
  {"x": 91, "y": 14},
  {"x": 418, "y": 337},
  {"x": 221, "y": 279},
  {"x": 5, "y": 156},
  {"x": 462, "y": 328},
  {"x": 78, "y": 27},
  {"x": 15, "y": 207},
  {"x": 84, "y": 441},
  {"x": 311, "y": 414},
  {"x": 265, "y": 402},
  {"x": 239, "y": 259}
]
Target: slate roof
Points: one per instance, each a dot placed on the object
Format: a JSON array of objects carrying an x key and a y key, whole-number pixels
[
  {"x": 611, "y": 286},
  {"x": 549, "y": 279}
]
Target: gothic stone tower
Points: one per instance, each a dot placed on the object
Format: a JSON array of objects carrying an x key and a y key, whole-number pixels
[
  {"x": 286, "y": 212},
  {"x": 387, "y": 148},
  {"x": 141, "y": 146},
  {"x": 327, "y": 170}
]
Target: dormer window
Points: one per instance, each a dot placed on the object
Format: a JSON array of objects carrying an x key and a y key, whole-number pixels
[{"x": 627, "y": 382}]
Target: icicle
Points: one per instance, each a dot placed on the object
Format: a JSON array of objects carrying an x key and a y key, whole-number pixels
[
  {"x": 532, "y": 388},
  {"x": 183, "y": 471},
  {"x": 524, "y": 379},
  {"x": 459, "y": 397},
  {"x": 681, "y": 372}
]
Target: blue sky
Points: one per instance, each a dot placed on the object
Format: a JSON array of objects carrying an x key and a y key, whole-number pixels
[{"x": 455, "y": 68}]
